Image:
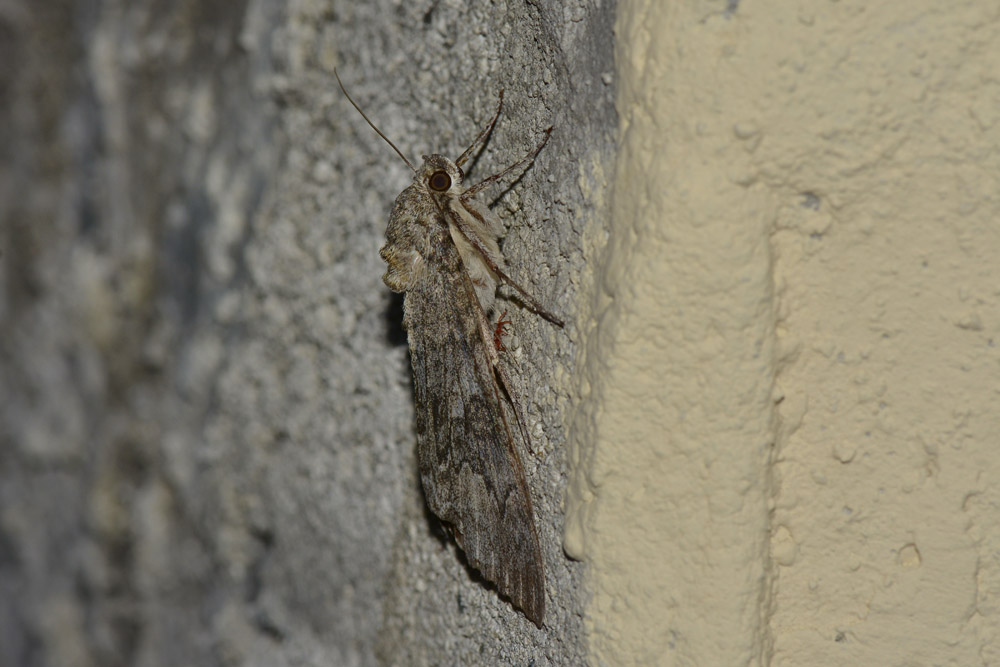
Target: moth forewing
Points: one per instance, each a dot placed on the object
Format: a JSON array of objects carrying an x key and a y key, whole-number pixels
[{"x": 443, "y": 253}]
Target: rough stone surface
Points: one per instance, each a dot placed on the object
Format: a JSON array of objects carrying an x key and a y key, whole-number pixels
[{"x": 206, "y": 432}]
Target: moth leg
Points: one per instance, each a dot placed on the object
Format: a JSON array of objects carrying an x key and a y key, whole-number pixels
[
  {"x": 500, "y": 332},
  {"x": 482, "y": 134},
  {"x": 486, "y": 182},
  {"x": 529, "y": 300},
  {"x": 503, "y": 384}
]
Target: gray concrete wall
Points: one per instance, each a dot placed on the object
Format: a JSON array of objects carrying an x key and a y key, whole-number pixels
[{"x": 206, "y": 415}]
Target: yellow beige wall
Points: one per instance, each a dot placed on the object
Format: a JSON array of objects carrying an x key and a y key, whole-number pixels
[{"x": 787, "y": 449}]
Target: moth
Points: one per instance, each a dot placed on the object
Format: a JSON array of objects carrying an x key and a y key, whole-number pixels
[{"x": 443, "y": 254}]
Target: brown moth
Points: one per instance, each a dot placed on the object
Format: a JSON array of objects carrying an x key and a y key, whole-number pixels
[{"x": 443, "y": 254}]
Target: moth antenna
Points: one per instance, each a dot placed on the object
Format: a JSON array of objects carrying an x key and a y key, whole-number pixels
[{"x": 355, "y": 105}]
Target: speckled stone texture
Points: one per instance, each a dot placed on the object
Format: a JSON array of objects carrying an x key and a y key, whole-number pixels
[{"x": 206, "y": 424}]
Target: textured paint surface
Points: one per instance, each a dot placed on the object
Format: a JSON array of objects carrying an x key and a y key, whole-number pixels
[
  {"x": 887, "y": 527},
  {"x": 675, "y": 428},
  {"x": 803, "y": 254}
]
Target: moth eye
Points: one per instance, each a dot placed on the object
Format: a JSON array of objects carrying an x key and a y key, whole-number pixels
[{"x": 440, "y": 181}]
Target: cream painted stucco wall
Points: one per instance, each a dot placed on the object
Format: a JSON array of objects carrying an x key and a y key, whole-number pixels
[{"x": 787, "y": 448}]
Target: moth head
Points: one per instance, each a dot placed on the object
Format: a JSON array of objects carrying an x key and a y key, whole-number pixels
[{"x": 439, "y": 174}]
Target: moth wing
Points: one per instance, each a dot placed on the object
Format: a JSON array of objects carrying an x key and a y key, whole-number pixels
[{"x": 469, "y": 465}]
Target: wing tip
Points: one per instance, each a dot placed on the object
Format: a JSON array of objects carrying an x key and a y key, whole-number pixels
[
  {"x": 536, "y": 614},
  {"x": 525, "y": 592}
]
